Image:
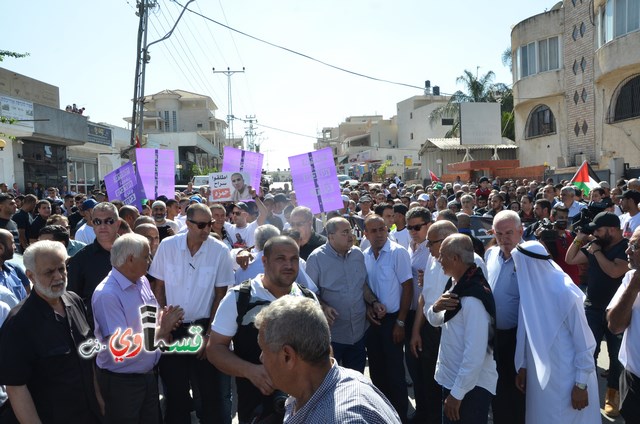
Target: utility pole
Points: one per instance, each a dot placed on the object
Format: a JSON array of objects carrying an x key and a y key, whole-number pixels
[
  {"x": 137, "y": 118},
  {"x": 250, "y": 133},
  {"x": 230, "y": 116}
]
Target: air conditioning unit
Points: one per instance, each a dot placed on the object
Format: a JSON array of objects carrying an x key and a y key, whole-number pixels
[
  {"x": 389, "y": 157},
  {"x": 580, "y": 158},
  {"x": 562, "y": 162}
]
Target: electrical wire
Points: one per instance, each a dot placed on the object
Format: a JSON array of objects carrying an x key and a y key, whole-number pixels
[
  {"x": 259, "y": 124},
  {"x": 306, "y": 56}
]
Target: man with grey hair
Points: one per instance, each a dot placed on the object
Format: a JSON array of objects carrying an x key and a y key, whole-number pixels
[
  {"x": 296, "y": 329},
  {"x": 567, "y": 196},
  {"x": 46, "y": 379},
  {"x": 302, "y": 221},
  {"x": 129, "y": 387},
  {"x": 509, "y": 403},
  {"x": 262, "y": 234},
  {"x": 338, "y": 270},
  {"x": 92, "y": 264},
  {"x": 466, "y": 312},
  {"x": 152, "y": 234},
  {"x": 234, "y": 321}
]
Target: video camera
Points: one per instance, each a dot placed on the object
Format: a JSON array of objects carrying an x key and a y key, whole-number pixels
[{"x": 587, "y": 214}]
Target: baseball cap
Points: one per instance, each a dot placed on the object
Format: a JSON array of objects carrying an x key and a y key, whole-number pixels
[
  {"x": 365, "y": 198},
  {"x": 345, "y": 198},
  {"x": 268, "y": 196},
  {"x": 631, "y": 194},
  {"x": 243, "y": 206},
  {"x": 89, "y": 204},
  {"x": 195, "y": 199},
  {"x": 604, "y": 219},
  {"x": 424, "y": 197},
  {"x": 483, "y": 180},
  {"x": 280, "y": 197},
  {"x": 393, "y": 186}
]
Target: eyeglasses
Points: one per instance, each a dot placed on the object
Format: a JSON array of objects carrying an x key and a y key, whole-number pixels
[
  {"x": 432, "y": 242},
  {"x": 634, "y": 247},
  {"x": 201, "y": 225},
  {"x": 416, "y": 227},
  {"x": 107, "y": 221},
  {"x": 236, "y": 213}
]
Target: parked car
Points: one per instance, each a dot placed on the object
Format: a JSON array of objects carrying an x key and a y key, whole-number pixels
[{"x": 342, "y": 178}]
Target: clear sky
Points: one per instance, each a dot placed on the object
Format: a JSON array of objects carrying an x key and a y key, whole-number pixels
[{"x": 88, "y": 50}]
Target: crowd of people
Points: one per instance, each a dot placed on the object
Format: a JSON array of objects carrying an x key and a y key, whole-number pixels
[{"x": 127, "y": 315}]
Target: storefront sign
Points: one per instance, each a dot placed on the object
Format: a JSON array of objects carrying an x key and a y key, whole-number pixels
[
  {"x": 20, "y": 110},
  {"x": 99, "y": 134}
]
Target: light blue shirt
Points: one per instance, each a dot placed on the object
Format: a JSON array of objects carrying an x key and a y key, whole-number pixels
[
  {"x": 387, "y": 273},
  {"x": 10, "y": 279},
  {"x": 504, "y": 285}
]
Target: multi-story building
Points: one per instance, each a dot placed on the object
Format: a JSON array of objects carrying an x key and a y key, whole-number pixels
[
  {"x": 576, "y": 71},
  {"x": 414, "y": 125},
  {"x": 186, "y": 123}
]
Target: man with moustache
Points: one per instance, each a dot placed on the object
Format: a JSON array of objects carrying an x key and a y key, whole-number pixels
[
  {"x": 46, "y": 379},
  {"x": 604, "y": 252}
]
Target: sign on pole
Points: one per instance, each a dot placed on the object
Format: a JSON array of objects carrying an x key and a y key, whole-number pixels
[
  {"x": 124, "y": 184},
  {"x": 156, "y": 169},
  {"x": 236, "y": 160},
  {"x": 316, "y": 181}
]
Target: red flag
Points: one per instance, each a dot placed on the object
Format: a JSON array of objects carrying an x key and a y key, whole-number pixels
[
  {"x": 433, "y": 176},
  {"x": 138, "y": 146}
]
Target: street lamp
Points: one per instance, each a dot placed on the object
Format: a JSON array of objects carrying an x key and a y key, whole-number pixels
[{"x": 3, "y": 144}]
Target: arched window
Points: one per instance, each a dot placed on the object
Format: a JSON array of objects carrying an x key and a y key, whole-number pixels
[
  {"x": 541, "y": 122},
  {"x": 627, "y": 102}
]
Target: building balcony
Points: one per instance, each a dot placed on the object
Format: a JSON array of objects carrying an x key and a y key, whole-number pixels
[{"x": 618, "y": 54}]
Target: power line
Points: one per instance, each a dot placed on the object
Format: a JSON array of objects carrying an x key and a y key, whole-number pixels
[
  {"x": 278, "y": 129},
  {"x": 306, "y": 56}
]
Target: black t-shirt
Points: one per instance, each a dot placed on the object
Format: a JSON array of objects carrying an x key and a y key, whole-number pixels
[
  {"x": 12, "y": 227},
  {"x": 39, "y": 348},
  {"x": 35, "y": 227},
  {"x": 87, "y": 269},
  {"x": 601, "y": 287},
  {"x": 22, "y": 219},
  {"x": 316, "y": 240}
]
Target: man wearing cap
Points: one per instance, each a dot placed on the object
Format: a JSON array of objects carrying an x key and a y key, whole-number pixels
[
  {"x": 554, "y": 352},
  {"x": 604, "y": 252},
  {"x": 241, "y": 233},
  {"x": 365, "y": 206},
  {"x": 393, "y": 193},
  {"x": 166, "y": 227},
  {"x": 85, "y": 233},
  {"x": 400, "y": 233},
  {"x": 630, "y": 219},
  {"x": 623, "y": 314},
  {"x": 484, "y": 189}
]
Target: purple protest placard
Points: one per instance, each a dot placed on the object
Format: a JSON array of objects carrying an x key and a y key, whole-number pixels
[
  {"x": 156, "y": 169},
  {"x": 316, "y": 181},
  {"x": 124, "y": 184},
  {"x": 236, "y": 160}
]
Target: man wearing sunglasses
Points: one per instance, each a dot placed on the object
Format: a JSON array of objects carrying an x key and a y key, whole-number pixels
[
  {"x": 92, "y": 264},
  {"x": 193, "y": 270}
]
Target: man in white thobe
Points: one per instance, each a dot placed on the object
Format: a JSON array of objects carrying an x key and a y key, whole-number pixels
[{"x": 554, "y": 350}]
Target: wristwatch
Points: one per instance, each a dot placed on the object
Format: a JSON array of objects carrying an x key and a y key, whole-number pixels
[
  {"x": 581, "y": 386},
  {"x": 400, "y": 323}
]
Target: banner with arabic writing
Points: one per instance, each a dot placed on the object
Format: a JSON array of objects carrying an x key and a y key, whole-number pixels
[
  {"x": 124, "y": 184},
  {"x": 316, "y": 181},
  {"x": 156, "y": 169},
  {"x": 250, "y": 163},
  {"x": 229, "y": 187}
]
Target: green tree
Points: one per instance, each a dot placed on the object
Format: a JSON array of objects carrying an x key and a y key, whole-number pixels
[
  {"x": 476, "y": 89},
  {"x": 7, "y": 53}
]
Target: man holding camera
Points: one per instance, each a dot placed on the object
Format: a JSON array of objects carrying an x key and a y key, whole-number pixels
[
  {"x": 557, "y": 239},
  {"x": 600, "y": 245}
]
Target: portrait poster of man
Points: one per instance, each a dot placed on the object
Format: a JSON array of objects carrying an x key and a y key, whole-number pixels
[{"x": 229, "y": 187}]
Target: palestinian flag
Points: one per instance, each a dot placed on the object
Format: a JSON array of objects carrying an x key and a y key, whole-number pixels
[
  {"x": 433, "y": 177},
  {"x": 585, "y": 179}
]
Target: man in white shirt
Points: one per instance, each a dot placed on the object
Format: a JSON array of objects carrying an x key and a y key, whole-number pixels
[
  {"x": 193, "y": 270},
  {"x": 630, "y": 219},
  {"x": 465, "y": 368},
  {"x": 241, "y": 233},
  {"x": 623, "y": 314},
  {"x": 85, "y": 233},
  {"x": 400, "y": 233},
  {"x": 391, "y": 280},
  {"x": 568, "y": 195}
]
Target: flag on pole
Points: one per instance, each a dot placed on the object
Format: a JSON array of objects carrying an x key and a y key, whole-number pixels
[
  {"x": 433, "y": 176},
  {"x": 585, "y": 179}
]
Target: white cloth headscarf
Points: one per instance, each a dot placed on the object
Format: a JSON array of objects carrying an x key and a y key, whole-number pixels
[{"x": 547, "y": 295}]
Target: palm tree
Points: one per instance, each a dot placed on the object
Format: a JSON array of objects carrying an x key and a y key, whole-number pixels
[{"x": 477, "y": 89}]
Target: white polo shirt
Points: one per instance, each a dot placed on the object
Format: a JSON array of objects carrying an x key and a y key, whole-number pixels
[
  {"x": 629, "y": 354},
  {"x": 190, "y": 280},
  {"x": 387, "y": 273}
]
